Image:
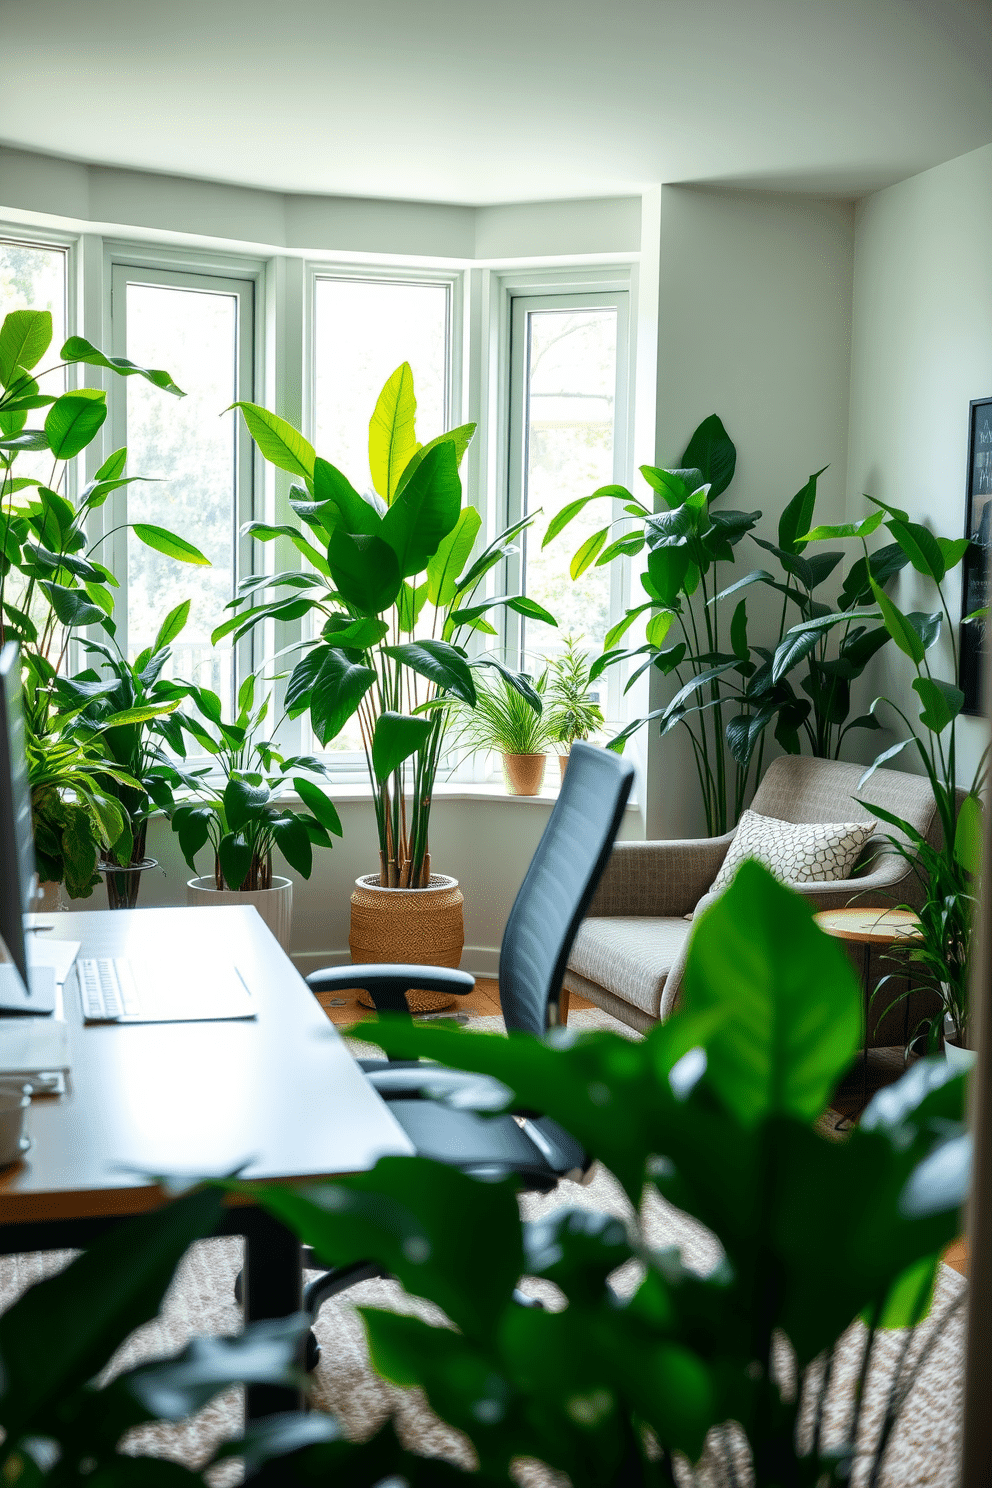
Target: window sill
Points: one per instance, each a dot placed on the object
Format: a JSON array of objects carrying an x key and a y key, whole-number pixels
[{"x": 342, "y": 790}]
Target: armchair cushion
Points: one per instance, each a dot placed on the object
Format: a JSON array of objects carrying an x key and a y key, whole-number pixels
[
  {"x": 796, "y": 852},
  {"x": 631, "y": 956}
]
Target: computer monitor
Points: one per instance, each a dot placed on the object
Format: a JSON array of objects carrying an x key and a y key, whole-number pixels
[{"x": 17, "y": 867}]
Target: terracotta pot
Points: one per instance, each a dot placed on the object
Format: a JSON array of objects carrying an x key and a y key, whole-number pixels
[
  {"x": 524, "y": 773},
  {"x": 275, "y": 905},
  {"x": 425, "y": 926},
  {"x": 563, "y": 764}
]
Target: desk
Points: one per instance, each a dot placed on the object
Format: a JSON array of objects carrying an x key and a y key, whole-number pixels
[{"x": 279, "y": 1097}]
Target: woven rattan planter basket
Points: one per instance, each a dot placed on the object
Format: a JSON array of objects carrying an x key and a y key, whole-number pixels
[{"x": 424, "y": 926}]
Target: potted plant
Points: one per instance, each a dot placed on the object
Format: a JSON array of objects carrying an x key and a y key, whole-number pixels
[
  {"x": 131, "y": 704},
  {"x": 507, "y": 722},
  {"x": 393, "y": 596},
  {"x": 236, "y": 807},
  {"x": 574, "y": 708},
  {"x": 53, "y": 584},
  {"x": 950, "y": 870}
]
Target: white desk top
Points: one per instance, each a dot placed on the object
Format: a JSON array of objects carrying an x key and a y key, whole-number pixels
[{"x": 279, "y": 1096}]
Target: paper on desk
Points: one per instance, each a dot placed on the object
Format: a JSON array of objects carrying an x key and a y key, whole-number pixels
[{"x": 58, "y": 954}]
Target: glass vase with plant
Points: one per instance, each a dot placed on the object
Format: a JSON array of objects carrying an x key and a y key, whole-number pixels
[
  {"x": 513, "y": 723},
  {"x": 573, "y": 707},
  {"x": 948, "y": 869},
  {"x": 389, "y": 596}
]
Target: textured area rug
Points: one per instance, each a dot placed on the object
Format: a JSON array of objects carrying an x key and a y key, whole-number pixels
[{"x": 923, "y": 1454}]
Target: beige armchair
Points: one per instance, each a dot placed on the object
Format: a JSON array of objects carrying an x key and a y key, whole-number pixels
[{"x": 629, "y": 955}]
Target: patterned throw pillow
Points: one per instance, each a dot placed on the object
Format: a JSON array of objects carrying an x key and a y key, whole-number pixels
[{"x": 796, "y": 852}]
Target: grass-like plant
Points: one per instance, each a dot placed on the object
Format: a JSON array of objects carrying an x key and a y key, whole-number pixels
[
  {"x": 506, "y": 721},
  {"x": 574, "y": 711}
]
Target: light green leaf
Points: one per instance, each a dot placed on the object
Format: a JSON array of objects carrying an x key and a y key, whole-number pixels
[
  {"x": 392, "y": 432},
  {"x": 588, "y": 552},
  {"x": 863, "y": 528},
  {"x": 451, "y": 556},
  {"x": 73, "y": 420},
  {"x": 460, "y": 438},
  {"x": 920, "y": 547},
  {"x": 968, "y": 836},
  {"x": 898, "y": 624},
  {"x": 24, "y": 338},
  {"x": 941, "y": 702},
  {"x": 78, "y": 349},
  {"x": 658, "y": 627},
  {"x": 171, "y": 626},
  {"x": 789, "y": 1004},
  {"x": 169, "y": 544},
  {"x": 562, "y": 518},
  {"x": 279, "y": 442}
]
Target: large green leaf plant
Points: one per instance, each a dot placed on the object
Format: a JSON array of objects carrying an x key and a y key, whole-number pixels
[
  {"x": 389, "y": 597},
  {"x": 735, "y": 681},
  {"x": 54, "y": 587},
  {"x": 641, "y": 1363},
  {"x": 948, "y": 869}
]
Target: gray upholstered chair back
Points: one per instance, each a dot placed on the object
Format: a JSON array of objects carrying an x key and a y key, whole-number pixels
[{"x": 798, "y": 789}]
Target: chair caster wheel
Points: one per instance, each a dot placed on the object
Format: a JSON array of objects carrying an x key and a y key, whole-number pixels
[
  {"x": 311, "y": 1353},
  {"x": 238, "y": 1288}
]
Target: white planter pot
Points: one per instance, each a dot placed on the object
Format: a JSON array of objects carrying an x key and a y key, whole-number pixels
[
  {"x": 959, "y": 1059},
  {"x": 275, "y": 905}
]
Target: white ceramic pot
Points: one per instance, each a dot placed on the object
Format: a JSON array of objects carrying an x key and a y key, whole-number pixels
[
  {"x": 959, "y": 1058},
  {"x": 275, "y": 905}
]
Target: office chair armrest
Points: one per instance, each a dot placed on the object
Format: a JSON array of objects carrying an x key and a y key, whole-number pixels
[
  {"x": 386, "y": 982},
  {"x": 458, "y": 1088}
]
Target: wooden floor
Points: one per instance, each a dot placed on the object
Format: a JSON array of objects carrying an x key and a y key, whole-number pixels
[{"x": 884, "y": 1065}]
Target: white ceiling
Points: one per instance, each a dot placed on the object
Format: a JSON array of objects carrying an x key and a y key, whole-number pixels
[{"x": 485, "y": 101}]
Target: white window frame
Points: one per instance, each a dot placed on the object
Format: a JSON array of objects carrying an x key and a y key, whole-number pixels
[
  {"x": 517, "y": 294},
  {"x": 207, "y": 275}
]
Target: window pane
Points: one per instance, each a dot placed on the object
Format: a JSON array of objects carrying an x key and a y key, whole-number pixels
[
  {"x": 189, "y": 445},
  {"x": 34, "y": 278},
  {"x": 364, "y": 330},
  {"x": 570, "y": 390}
]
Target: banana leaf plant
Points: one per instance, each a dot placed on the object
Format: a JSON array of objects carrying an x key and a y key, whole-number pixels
[
  {"x": 236, "y": 805},
  {"x": 724, "y": 696},
  {"x": 391, "y": 595},
  {"x": 948, "y": 871},
  {"x": 52, "y": 582}
]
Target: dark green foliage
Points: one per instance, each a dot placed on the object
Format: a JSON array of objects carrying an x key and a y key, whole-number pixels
[{"x": 712, "y": 1111}]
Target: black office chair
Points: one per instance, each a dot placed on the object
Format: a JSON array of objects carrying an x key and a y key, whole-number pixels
[{"x": 554, "y": 896}]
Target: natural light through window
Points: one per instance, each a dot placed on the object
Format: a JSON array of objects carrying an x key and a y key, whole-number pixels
[
  {"x": 363, "y": 330},
  {"x": 570, "y": 373},
  {"x": 33, "y": 277}
]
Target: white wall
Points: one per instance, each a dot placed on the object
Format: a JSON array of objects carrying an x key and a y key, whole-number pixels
[
  {"x": 922, "y": 349},
  {"x": 755, "y": 325},
  {"x": 139, "y": 203}
]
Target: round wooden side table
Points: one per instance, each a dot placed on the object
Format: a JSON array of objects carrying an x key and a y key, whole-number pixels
[{"x": 872, "y": 928}]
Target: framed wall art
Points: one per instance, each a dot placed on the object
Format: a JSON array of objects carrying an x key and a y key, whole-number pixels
[{"x": 975, "y": 571}]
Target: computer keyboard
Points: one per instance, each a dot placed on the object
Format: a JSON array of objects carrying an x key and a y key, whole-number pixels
[{"x": 107, "y": 989}]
